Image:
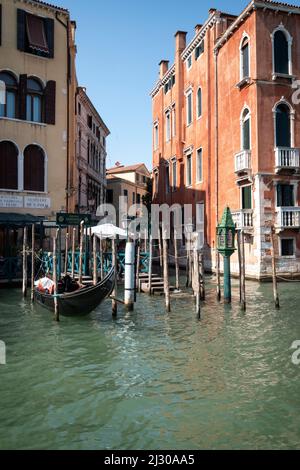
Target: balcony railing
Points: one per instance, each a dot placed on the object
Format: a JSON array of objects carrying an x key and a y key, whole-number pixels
[
  {"x": 243, "y": 161},
  {"x": 287, "y": 158},
  {"x": 243, "y": 219},
  {"x": 288, "y": 217}
]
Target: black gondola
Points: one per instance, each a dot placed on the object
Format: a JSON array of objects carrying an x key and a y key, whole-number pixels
[{"x": 81, "y": 302}]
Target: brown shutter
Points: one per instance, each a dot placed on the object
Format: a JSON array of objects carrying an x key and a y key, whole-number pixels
[
  {"x": 34, "y": 164},
  {"x": 50, "y": 101},
  {"x": 22, "y": 96},
  {"x": 8, "y": 166},
  {"x": 21, "y": 29}
]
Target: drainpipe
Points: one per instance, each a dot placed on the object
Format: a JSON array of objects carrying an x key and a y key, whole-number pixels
[
  {"x": 217, "y": 171},
  {"x": 66, "y": 26}
]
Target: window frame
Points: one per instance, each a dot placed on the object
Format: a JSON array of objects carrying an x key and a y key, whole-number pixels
[
  {"x": 189, "y": 62},
  {"x": 155, "y": 135},
  {"x": 199, "y": 116},
  {"x": 11, "y": 89},
  {"x": 32, "y": 94},
  {"x": 189, "y": 157},
  {"x": 199, "y": 151},
  {"x": 292, "y": 122},
  {"x": 245, "y": 41},
  {"x": 168, "y": 129},
  {"x": 289, "y": 40},
  {"x": 189, "y": 93},
  {"x": 243, "y": 119},
  {"x": 294, "y": 248}
]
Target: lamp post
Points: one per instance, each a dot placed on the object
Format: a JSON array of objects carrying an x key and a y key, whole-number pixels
[{"x": 225, "y": 237}]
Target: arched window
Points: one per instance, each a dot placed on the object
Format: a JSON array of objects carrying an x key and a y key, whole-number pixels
[
  {"x": 246, "y": 139},
  {"x": 34, "y": 169},
  {"x": 8, "y": 165},
  {"x": 34, "y": 100},
  {"x": 282, "y": 51},
  {"x": 9, "y": 108},
  {"x": 199, "y": 102},
  {"x": 245, "y": 59},
  {"x": 283, "y": 126}
]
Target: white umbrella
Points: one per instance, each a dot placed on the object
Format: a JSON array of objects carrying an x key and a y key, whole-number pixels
[{"x": 107, "y": 231}]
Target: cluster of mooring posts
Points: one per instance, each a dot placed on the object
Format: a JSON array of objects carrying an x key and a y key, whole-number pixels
[{"x": 92, "y": 250}]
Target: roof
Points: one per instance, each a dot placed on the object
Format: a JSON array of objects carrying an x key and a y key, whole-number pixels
[
  {"x": 125, "y": 169},
  {"x": 82, "y": 91},
  {"x": 19, "y": 220},
  {"x": 50, "y": 5}
]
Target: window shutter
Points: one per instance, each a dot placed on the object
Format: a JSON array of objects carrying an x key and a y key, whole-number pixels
[
  {"x": 49, "y": 29},
  {"x": 22, "y": 96},
  {"x": 21, "y": 17},
  {"x": 50, "y": 102},
  {"x": 246, "y": 135}
]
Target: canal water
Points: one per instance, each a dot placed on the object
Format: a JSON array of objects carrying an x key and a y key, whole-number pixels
[{"x": 151, "y": 380}]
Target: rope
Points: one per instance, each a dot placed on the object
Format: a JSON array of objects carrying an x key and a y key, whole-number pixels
[{"x": 287, "y": 280}]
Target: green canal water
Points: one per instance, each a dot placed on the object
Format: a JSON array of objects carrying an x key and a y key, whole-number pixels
[{"x": 151, "y": 380}]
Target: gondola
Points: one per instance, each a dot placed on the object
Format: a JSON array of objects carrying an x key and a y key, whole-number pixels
[{"x": 81, "y": 302}]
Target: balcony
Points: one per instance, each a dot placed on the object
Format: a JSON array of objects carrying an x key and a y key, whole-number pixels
[
  {"x": 287, "y": 159},
  {"x": 243, "y": 161},
  {"x": 288, "y": 217},
  {"x": 243, "y": 219}
]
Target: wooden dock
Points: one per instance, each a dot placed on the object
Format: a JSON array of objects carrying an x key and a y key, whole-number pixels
[{"x": 157, "y": 286}]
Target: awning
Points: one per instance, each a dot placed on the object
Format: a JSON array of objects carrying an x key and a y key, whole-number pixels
[
  {"x": 19, "y": 220},
  {"x": 36, "y": 35},
  {"x": 107, "y": 231}
]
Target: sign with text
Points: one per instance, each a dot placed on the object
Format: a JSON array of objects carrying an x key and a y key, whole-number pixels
[
  {"x": 73, "y": 219},
  {"x": 34, "y": 202},
  {"x": 11, "y": 201}
]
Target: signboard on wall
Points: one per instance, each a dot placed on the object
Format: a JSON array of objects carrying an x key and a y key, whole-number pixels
[
  {"x": 11, "y": 201},
  {"x": 35, "y": 202},
  {"x": 73, "y": 219}
]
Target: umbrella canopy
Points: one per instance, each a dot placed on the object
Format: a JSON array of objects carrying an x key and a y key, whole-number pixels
[{"x": 107, "y": 231}]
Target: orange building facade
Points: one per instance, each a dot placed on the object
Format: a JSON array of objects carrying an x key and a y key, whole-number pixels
[{"x": 226, "y": 130}]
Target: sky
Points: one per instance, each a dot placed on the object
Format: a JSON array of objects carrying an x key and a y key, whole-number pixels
[{"x": 119, "y": 46}]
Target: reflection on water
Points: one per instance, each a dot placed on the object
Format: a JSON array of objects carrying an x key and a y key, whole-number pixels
[{"x": 151, "y": 380}]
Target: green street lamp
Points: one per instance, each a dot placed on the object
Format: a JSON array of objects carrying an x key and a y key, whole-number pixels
[{"x": 226, "y": 247}]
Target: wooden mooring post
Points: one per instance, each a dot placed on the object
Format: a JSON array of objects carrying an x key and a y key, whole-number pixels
[
  {"x": 202, "y": 279},
  {"x": 160, "y": 250},
  {"x": 32, "y": 260},
  {"x": 196, "y": 282},
  {"x": 114, "y": 304},
  {"x": 243, "y": 278},
  {"x": 95, "y": 274},
  {"x": 56, "y": 310},
  {"x": 176, "y": 261},
  {"x": 101, "y": 258},
  {"x": 166, "y": 271},
  {"x": 138, "y": 261},
  {"x": 66, "y": 254},
  {"x": 274, "y": 276},
  {"x": 80, "y": 252},
  {"x": 24, "y": 285},
  {"x": 150, "y": 265},
  {"x": 73, "y": 253},
  {"x": 218, "y": 275}
]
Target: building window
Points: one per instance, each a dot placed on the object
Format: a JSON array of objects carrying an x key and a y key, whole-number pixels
[
  {"x": 109, "y": 196},
  {"x": 125, "y": 192},
  {"x": 285, "y": 195},
  {"x": 167, "y": 178},
  {"x": 174, "y": 174},
  {"x": 246, "y": 197},
  {"x": 189, "y": 110},
  {"x": 34, "y": 169},
  {"x": 168, "y": 126},
  {"x": 245, "y": 59},
  {"x": 173, "y": 121},
  {"x": 133, "y": 198},
  {"x": 156, "y": 182},
  {"x": 189, "y": 170},
  {"x": 144, "y": 179},
  {"x": 35, "y": 34},
  {"x": 155, "y": 136},
  {"x": 138, "y": 198},
  {"x": 199, "y": 166},
  {"x": 199, "y": 50},
  {"x": 246, "y": 141},
  {"x": 8, "y": 109},
  {"x": 8, "y": 165},
  {"x": 189, "y": 62},
  {"x": 287, "y": 247},
  {"x": 282, "y": 44},
  {"x": 199, "y": 103},
  {"x": 34, "y": 101},
  {"x": 283, "y": 126}
]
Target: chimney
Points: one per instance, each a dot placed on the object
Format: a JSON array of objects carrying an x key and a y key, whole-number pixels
[
  {"x": 163, "y": 68},
  {"x": 180, "y": 38},
  {"x": 197, "y": 28},
  {"x": 212, "y": 10}
]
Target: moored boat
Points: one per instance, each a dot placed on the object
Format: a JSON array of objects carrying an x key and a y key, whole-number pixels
[{"x": 82, "y": 301}]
